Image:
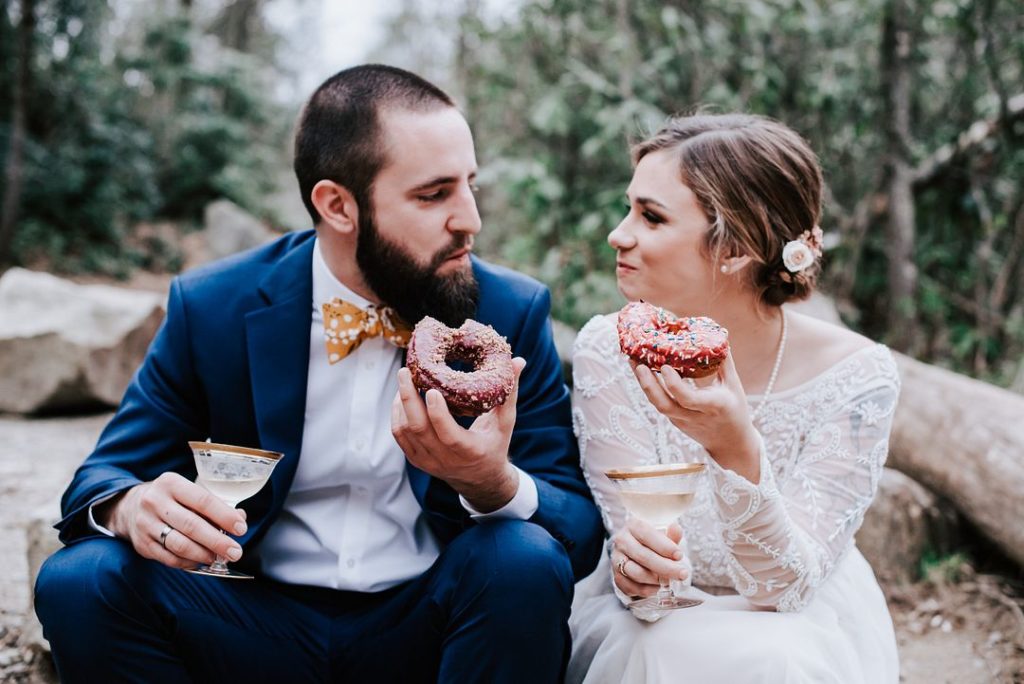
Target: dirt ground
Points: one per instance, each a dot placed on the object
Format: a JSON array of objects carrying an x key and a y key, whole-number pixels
[{"x": 957, "y": 626}]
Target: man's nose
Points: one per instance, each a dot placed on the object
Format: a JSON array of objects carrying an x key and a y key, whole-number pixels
[{"x": 465, "y": 217}]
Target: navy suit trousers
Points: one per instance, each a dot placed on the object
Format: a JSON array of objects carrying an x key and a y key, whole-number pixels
[{"x": 493, "y": 608}]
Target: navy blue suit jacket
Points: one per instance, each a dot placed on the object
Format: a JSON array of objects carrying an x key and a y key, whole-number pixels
[{"x": 230, "y": 364}]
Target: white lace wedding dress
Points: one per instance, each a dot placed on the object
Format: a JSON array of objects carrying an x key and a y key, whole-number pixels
[{"x": 787, "y": 595}]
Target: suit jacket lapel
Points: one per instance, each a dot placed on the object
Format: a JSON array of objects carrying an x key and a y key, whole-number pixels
[{"x": 278, "y": 344}]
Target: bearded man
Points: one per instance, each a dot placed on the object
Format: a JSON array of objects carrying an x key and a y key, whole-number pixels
[{"x": 393, "y": 541}]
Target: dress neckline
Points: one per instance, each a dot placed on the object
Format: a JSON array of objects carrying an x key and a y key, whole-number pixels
[{"x": 825, "y": 372}]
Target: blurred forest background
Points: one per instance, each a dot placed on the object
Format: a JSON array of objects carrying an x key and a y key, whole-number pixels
[{"x": 118, "y": 115}]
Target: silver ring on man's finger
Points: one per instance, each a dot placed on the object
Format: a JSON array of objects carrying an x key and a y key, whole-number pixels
[
  {"x": 622, "y": 567},
  {"x": 163, "y": 535}
]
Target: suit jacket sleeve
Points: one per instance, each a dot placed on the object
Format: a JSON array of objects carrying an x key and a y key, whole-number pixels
[
  {"x": 543, "y": 443},
  {"x": 148, "y": 435}
]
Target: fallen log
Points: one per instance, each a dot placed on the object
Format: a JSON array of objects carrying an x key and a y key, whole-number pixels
[
  {"x": 905, "y": 522},
  {"x": 964, "y": 440}
]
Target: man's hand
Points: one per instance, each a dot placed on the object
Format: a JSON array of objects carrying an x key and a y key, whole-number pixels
[
  {"x": 193, "y": 513},
  {"x": 474, "y": 461}
]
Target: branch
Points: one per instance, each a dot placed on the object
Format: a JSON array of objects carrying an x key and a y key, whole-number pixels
[
  {"x": 978, "y": 132},
  {"x": 1000, "y": 286},
  {"x": 966, "y": 304}
]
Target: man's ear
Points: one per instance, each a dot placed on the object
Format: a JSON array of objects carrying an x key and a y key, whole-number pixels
[{"x": 336, "y": 205}]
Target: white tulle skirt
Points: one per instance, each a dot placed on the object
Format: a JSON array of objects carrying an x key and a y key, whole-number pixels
[{"x": 845, "y": 634}]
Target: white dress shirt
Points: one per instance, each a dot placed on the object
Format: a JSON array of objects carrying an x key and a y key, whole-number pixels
[{"x": 350, "y": 520}]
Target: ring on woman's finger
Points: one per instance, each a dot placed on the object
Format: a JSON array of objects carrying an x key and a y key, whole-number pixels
[
  {"x": 622, "y": 568},
  {"x": 163, "y": 535}
]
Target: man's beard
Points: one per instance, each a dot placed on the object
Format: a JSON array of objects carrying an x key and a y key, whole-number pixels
[{"x": 415, "y": 291}]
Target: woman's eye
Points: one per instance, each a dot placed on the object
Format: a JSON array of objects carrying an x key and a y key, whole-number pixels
[{"x": 652, "y": 218}]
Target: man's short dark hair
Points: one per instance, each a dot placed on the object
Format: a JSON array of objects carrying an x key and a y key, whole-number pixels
[{"x": 338, "y": 134}]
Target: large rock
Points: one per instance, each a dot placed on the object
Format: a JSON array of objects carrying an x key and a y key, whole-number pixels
[
  {"x": 229, "y": 229},
  {"x": 41, "y": 542},
  {"x": 37, "y": 459},
  {"x": 904, "y": 522},
  {"x": 69, "y": 346}
]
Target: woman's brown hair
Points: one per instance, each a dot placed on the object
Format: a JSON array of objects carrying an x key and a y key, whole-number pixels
[{"x": 759, "y": 184}]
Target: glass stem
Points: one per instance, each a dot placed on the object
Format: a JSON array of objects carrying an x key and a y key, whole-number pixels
[
  {"x": 219, "y": 564},
  {"x": 665, "y": 595}
]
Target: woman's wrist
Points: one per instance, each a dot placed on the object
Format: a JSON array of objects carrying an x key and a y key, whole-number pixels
[{"x": 743, "y": 456}]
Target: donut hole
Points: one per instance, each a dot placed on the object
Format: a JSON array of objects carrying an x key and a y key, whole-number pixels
[{"x": 463, "y": 358}]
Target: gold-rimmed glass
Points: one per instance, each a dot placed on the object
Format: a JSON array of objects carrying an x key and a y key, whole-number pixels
[
  {"x": 659, "y": 494},
  {"x": 232, "y": 474}
]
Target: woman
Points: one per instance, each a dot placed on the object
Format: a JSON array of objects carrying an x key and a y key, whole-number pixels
[{"x": 793, "y": 429}]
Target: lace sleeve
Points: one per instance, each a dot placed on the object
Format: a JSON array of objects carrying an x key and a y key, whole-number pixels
[
  {"x": 614, "y": 428},
  {"x": 785, "y": 539},
  {"x": 614, "y": 423}
]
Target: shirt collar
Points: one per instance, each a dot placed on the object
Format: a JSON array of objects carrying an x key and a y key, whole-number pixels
[{"x": 326, "y": 286}]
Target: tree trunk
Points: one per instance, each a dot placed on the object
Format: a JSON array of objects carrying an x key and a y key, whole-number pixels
[
  {"x": 237, "y": 24},
  {"x": 468, "y": 21},
  {"x": 14, "y": 170},
  {"x": 900, "y": 230},
  {"x": 629, "y": 54},
  {"x": 962, "y": 438}
]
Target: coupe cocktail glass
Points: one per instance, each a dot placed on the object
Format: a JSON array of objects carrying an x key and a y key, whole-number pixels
[
  {"x": 659, "y": 494},
  {"x": 233, "y": 474}
]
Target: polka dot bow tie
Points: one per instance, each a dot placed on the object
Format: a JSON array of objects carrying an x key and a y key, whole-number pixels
[{"x": 346, "y": 326}]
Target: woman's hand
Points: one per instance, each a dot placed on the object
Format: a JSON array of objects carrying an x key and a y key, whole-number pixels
[
  {"x": 714, "y": 414},
  {"x": 641, "y": 553}
]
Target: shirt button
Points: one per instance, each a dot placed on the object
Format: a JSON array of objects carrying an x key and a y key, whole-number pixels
[
  {"x": 368, "y": 365},
  {"x": 360, "y": 444},
  {"x": 351, "y": 562}
]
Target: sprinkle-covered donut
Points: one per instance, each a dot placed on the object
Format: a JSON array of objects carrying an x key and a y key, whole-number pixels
[
  {"x": 654, "y": 337},
  {"x": 434, "y": 344}
]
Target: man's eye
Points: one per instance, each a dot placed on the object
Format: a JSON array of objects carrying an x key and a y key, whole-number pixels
[
  {"x": 432, "y": 197},
  {"x": 652, "y": 217},
  {"x": 474, "y": 188}
]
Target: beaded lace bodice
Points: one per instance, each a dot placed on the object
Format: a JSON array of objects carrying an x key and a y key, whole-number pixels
[{"x": 775, "y": 542}]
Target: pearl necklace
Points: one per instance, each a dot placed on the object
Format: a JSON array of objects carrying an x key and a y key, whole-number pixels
[{"x": 775, "y": 371}]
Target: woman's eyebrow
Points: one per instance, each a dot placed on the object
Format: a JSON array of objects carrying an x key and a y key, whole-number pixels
[{"x": 650, "y": 201}]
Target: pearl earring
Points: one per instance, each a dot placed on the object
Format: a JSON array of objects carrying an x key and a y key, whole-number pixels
[{"x": 725, "y": 269}]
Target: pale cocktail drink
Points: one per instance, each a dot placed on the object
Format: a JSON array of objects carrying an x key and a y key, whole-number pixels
[
  {"x": 232, "y": 492},
  {"x": 659, "y": 494},
  {"x": 232, "y": 474},
  {"x": 661, "y": 509}
]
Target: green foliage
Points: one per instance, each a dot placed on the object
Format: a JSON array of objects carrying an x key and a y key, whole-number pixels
[
  {"x": 557, "y": 91},
  {"x": 944, "y": 569},
  {"x": 585, "y": 85},
  {"x": 131, "y": 126}
]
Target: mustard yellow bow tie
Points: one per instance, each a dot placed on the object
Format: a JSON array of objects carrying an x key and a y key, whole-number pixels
[{"x": 346, "y": 326}]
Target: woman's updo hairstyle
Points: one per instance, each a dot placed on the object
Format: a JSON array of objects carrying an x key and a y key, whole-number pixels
[{"x": 759, "y": 184}]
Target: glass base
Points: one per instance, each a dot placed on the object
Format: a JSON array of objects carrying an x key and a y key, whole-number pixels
[
  {"x": 657, "y": 604},
  {"x": 210, "y": 571}
]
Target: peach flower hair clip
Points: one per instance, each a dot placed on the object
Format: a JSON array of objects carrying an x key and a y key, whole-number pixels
[{"x": 801, "y": 253}]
